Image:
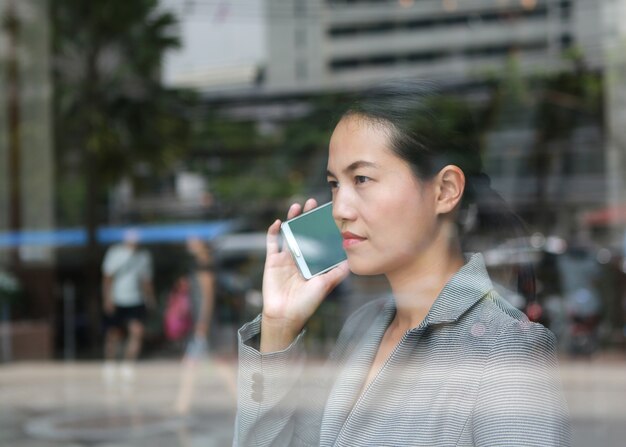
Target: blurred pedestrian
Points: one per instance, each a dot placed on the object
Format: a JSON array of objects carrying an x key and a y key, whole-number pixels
[
  {"x": 201, "y": 291},
  {"x": 127, "y": 295},
  {"x": 581, "y": 274}
]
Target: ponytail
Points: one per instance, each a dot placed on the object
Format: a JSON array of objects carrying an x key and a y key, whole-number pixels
[{"x": 492, "y": 220}]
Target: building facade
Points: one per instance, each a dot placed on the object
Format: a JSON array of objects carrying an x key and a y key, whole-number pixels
[{"x": 328, "y": 44}]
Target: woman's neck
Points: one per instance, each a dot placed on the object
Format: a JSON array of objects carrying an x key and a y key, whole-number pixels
[{"x": 416, "y": 287}]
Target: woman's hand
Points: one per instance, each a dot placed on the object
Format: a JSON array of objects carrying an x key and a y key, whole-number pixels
[{"x": 288, "y": 299}]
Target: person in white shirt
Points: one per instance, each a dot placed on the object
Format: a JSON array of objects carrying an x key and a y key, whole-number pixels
[{"x": 127, "y": 295}]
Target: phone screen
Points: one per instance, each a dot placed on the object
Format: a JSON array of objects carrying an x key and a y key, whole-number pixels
[{"x": 318, "y": 239}]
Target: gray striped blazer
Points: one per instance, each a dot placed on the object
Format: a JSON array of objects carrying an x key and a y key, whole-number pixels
[{"x": 475, "y": 372}]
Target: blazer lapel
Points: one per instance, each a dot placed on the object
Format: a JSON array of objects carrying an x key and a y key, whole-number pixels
[{"x": 349, "y": 383}]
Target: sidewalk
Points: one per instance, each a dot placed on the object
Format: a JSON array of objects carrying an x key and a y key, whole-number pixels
[
  {"x": 596, "y": 395},
  {"x": 57, "y": 404},
  {"x": 68, "y": 404}
]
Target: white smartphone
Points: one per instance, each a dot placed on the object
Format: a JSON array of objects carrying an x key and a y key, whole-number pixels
[{"x": 314, "y": 241}]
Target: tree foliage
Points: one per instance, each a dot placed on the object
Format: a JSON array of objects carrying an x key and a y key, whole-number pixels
[{"x": 112, "y": 115}]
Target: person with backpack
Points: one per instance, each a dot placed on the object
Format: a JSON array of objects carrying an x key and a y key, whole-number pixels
[{"x": 199, "y": 288}]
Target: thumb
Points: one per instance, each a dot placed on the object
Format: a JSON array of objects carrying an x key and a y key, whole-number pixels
[{"x": 333, "y": 277}]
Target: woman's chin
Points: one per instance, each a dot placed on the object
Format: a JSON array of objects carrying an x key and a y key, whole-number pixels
[{"x": 362, "y": 268}]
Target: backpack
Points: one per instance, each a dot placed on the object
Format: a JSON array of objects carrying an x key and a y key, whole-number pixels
[{"x": 178, "y": 319}]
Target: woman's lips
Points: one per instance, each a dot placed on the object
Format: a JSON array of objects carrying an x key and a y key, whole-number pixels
[{"x": 350, "y": 239}]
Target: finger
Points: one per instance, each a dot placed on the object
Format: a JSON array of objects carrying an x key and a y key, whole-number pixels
[
  {"x": 335, "y": 276},
  {"x": 310, "y": 204},
  {"x": 294, "y": 210},
  {"x": 271, "y": 241}
]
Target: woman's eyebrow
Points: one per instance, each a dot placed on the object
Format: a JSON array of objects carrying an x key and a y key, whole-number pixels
[{"x": 354, "y": 166}]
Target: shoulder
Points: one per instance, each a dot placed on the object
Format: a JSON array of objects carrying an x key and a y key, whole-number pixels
[
  {"x": 114, "y": 250},
  {"x": 520, "y": 387},
  {"x": 112, "y": 257},
  {"x": 518, "y": 342},
  {"x": 521, "y": 360},
  {"x": 524, "y": 340},
  {"x": 520, "y": 399},
  {"x": 503, "y": 311},
  {"x": 512, "y": 331}
]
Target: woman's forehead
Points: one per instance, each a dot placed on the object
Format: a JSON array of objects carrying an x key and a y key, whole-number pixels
[
  {"x": 358, "y": 135},
  {"x": 360, "y": 148},
  {"x": 358, "y": 123}
]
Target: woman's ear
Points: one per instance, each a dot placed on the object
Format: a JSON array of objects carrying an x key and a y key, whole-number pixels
[{"x": 451, "y": 184}]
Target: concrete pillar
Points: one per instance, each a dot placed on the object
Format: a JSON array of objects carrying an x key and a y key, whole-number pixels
[{"x": 615, "y": 109}]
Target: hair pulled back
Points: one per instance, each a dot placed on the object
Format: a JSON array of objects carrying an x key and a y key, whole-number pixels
[
  {"x": 429, "y": 130},
  {"x": 426, "y": 129}
]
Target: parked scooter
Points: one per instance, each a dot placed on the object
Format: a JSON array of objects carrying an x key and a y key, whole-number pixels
[{"x": 583, "y": 309}]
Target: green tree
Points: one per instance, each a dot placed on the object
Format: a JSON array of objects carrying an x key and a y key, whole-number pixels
[
  {"x": 112, "y": 114},
  {"x": 252, "y": 170},
  {"x": 566, "y": 101},
  {"x": 554, "y": 105}
]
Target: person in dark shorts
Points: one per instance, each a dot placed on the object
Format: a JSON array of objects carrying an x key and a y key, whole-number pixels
[{"x": 128, "y": 293}]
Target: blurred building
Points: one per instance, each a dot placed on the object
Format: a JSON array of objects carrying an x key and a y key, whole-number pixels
[
  {"x": 26, "y": 165},
  {"x": 313, "y": 47},
  {"x": 26, "y": 171},
  {"x": 350, "y": 44},
  {"x": 572, "y": 181},
  {"x": 615, "y": 111},
  {"x": 282, "y": 46},
  {"x": 223, "y": 44},
  {"x": 182, "y": 194},
  {"x": 329, "y": 44}
]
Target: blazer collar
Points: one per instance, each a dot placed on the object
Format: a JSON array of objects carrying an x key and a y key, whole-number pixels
[{"x": 461, "y": 292}]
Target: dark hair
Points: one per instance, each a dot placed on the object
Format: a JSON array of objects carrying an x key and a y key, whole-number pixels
[
  {"x": 430, "y": 130},
  {"x": 426, "y": 129}
]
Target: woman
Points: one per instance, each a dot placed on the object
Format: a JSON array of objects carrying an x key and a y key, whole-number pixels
[
  {"x": 444, "y": 360},
  {"x": 202, "y": 296}
]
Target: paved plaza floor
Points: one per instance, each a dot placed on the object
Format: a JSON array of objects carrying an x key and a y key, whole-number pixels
[{"x": 68, "y": 404}]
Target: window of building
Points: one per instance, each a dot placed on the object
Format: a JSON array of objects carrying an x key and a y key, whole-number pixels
[
  {"x": 301, "y": 69},
  {"x": 300, "y": 37},
  {"x": 497, "y": 50},
  {"x": 444, "y": 21}
]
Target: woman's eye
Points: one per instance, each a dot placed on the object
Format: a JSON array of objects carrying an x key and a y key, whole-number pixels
[
  {"x": 361, "y": 179},
  {"x": 333, "y": 184}
]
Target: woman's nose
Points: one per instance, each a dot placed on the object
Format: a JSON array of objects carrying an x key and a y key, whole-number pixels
[{"x": 343, "y": 209}]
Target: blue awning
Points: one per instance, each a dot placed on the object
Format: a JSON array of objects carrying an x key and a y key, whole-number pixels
[{"x": 146, "y": 234}]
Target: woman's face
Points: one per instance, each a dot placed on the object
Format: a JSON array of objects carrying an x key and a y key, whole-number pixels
[{"x": 386, "y": 215}]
